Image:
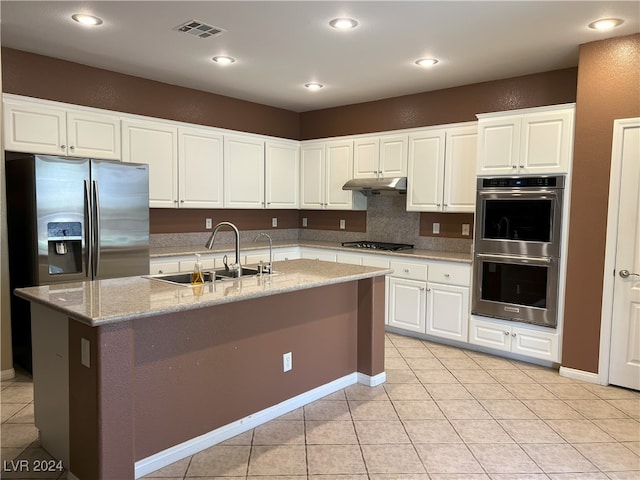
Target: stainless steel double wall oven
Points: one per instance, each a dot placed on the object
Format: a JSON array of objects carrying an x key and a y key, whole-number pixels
[{"x": 517, "y": 248}]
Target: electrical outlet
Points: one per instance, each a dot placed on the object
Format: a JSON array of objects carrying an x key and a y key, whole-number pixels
[
  {"x": 208, "y": 224},
  {"x": 436, "y": 228},
  {"x": 465, "y": 229},
  {"x": 343, "y": 224},
  {"x": 274, "y": 222},
  {"x": 304, "y": 221},
  {"x": 85, "y": 352},
  {"x": 287, "y": 362}
]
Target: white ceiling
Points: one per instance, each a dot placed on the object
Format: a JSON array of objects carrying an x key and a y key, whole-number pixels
[{"x": 280, "y": 46}]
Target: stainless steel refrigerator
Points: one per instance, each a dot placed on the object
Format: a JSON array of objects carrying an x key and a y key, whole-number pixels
[{"x": 70, "y": 220}]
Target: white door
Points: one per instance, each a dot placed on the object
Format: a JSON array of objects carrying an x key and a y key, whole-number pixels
[
  {"x": 34, "y": 129},
  {"x": 407, "y": 304},
  {"x": 448, "y": 311},
  {"x": 243, "y": 172},
  {"x": 624, "y": 366},
  {"x": 156, "y": 144},
  {"x": 312, "y": 176},
  {"x": 498, "y": 146},
  {"x": 91, "y": 135},
  {"x": 339, "y": 169},
  {"x": 546, "y": 142},
  {"x": 366, "y": 157},
  {"x": 282, "y": 175},
  {"x": 425, "y": 171},
  {"x": 460, "y": 169},
  {"x": 200, "y": 168},
  {"x": 393, "y": 156}
]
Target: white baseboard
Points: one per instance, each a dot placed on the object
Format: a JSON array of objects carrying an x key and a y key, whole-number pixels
[
  {"x": 7, "y": 374},
  {"x": 579, "y": 375},
  {"x": 372, "y": 381},
  {"x": 190, "y": 447}
]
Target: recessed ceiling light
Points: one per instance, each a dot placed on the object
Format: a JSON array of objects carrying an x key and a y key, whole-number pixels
[
  {"x": 314, "y": 86},
  {"x": 426, "y": 62},
  {"x": 86, "y": 19},
  {"x": 223, "y": 59},
  {"x": 343, "y": 23},
  {"x": 606, "y": 23}
]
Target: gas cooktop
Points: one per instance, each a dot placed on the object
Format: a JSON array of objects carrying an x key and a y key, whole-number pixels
[{"x": 378, "y": 245}]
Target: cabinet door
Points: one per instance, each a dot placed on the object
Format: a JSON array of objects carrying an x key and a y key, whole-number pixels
[
  {"x": 460, "y": 169},
  {"x": 535, "y": 343},
  {"x": 200, "y": 167},
  {"x": 243, "y": 172},
  {"x": 546, "y": 142},
  {"x": 163, "y": 266},
  {"x": 155, "y": 144},
  {"x": 393, "y": 156},
  {"x": 281, "y": 175},
  {"x": 407, "y": 302},
  {"x": 489, "y": 334},
  {"x": 339, "y": 169},
  {"x": 34, "y": 128},
  {"x": 93, "y": 135},
  {"x": 448, "y": 311},
  {"x": 312, "y": 176},
  {"x": 366, "y": 157},
  {"x": 498, "y": 146},
  {"x": 425, "y": 171}
]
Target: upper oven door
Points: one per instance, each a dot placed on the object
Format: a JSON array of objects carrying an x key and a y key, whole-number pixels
[{"x": 519, "y": 222}]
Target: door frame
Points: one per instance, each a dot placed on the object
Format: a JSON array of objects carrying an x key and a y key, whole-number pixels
[{"x": 606, "y": 317}]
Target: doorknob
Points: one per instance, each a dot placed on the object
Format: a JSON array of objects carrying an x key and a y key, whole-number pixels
[{"x": 627, "y": 274}]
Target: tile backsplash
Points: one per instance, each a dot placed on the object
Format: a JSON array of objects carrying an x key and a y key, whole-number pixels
[{"x": 386, "y": 221}]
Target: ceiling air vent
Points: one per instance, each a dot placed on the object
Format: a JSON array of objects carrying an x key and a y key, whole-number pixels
[{"x": 199, "y": 29}]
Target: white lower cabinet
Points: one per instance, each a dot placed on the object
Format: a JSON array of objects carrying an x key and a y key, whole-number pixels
[
  {"x": 407, "y": 304},
  {"x": 530, "y": 341},
  {"x": 447, "y": 311}
]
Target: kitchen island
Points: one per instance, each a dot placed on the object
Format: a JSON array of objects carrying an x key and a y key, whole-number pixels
[{"x": 132, "y": 374}]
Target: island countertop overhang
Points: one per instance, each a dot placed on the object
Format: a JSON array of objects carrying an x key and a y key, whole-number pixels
[{"x": 103, "y": 302}]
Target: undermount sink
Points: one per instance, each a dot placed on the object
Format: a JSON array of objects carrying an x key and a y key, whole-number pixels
[{"x": 184, "y": 278}]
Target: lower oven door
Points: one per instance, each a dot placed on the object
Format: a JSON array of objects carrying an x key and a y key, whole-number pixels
[{"x": 516, "y": 288}]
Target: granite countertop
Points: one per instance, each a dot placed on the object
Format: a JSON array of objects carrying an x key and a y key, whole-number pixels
[
  {"x": 103, "y": 302},
  {"x": 158, "y": 252}
]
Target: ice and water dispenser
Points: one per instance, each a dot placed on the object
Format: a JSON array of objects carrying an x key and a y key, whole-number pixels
[{"x": 65, "y": 247}]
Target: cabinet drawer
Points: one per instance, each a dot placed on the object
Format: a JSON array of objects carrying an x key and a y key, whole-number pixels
[
  {"x": 451, "y": 274},
  {"x": 163, "y": 267},
  {"x": 411, "y": 271}
]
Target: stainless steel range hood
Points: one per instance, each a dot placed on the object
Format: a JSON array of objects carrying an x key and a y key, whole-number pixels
[{"x": 378, "y": 186}]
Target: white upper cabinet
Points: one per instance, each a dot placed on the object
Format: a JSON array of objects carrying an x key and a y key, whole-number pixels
[
  {"x": 460, "y": 158},
  {"x": 156, "y": 144},
  {"x": 243, "y": 172},
  {"x": 380, "y": 156},
  {"x": 426, "y": 170},
  {"x": 282, "y": 174},
  {"x": 200, "y": 168},
  {"x": 324, "y": 168},
  {"x": 43, "y": 127},
  {"x": 526, "y": 142},
  {"x": 441, "y": 170},
  {"x": 259, "y": 174}
]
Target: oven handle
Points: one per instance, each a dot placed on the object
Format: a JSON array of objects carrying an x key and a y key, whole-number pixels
[
  {"x": 517, "y": 193},
  {"x": 538, "y": 260}
]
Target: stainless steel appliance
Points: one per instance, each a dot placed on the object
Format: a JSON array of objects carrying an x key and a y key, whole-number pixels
[
  {"x": 392, "y": 247},
  {"x": 517, "y": 248},
  {"x": 72, "y": 219}
]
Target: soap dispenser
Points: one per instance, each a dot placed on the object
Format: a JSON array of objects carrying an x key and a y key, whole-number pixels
[{"x": 197, "y": 277}]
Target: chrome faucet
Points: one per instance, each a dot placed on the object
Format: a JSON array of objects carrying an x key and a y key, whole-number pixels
[
  {"x": 270, "y": 265},
  {"x": 236, "y": 266}
]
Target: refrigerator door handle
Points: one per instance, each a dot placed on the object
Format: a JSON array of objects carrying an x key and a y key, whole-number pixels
[
  {"x": 88, "y": 230},
  {"x": 96, "y": 229}
]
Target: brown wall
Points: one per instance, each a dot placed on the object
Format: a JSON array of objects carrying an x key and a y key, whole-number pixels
[
  {"x": 82, "y": 85},
  {"x": 608, "y": 81},
  {"x": 53, "y": 79},
  {"x": 459, "y": 104}
]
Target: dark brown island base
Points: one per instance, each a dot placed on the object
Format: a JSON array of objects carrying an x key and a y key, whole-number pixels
[{"x": 132, "y": 374}]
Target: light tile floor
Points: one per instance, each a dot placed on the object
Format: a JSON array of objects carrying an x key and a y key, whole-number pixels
[{"x": 444, "y": 413}]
